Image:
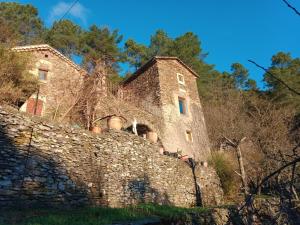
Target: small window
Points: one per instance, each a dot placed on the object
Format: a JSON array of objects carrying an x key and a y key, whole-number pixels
[
  {"x": 189, "y": 136},
  {"x": 43, "y": 74},
  {"x": 180, "y": 78},
  {"x": 182, "y": 105},
  {"x": 182, "y": 87}
]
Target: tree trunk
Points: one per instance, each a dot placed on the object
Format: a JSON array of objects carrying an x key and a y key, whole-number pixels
[{"x": 242, "y": 169}]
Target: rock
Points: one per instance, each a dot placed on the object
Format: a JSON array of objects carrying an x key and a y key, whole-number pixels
[
  {"x": 5, "y": 183},
  {"x": 61, "y": 186},
  {"x": 40, "y": 179}
]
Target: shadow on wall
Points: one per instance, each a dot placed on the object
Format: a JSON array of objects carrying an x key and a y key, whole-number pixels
[
  {"x": 46, "y": 165},
  {"x": 30, "y": 177},
  {"x": 139, "y": 190},
  {"x": 198, "y": 196}
]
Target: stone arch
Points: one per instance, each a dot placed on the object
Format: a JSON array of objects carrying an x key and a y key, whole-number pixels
[
  {"x": 141, "y": 122},
  {"x": 142, "y": 129}
]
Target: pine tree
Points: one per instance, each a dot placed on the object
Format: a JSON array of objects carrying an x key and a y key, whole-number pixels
[
  {"x": 64, "y": 35},
  {"x": 287, "y": 69},
  {"x": 24, "y": 20}
]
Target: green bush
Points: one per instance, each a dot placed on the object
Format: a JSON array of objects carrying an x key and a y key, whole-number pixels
[{"x": 225, "y": 170}]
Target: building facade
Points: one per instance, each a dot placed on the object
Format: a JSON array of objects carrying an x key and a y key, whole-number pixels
[
  {"x": 59, "y": 80},
  {"x": 163, "y": 92},
  {"x": 165, "y": 86}
]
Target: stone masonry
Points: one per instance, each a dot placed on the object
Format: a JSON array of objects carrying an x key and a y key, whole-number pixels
[
  {"x": 60, "y": 88},
  {"x": 48, "y": 164},
  {"x": 155, "y": 87}
]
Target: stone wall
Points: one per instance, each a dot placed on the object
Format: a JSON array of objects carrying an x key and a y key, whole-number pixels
[
  {"x": 48, "y": 164},
  {"x": 62, "y": 86},
  {"x": 156, "y": 83},
  {"x": 142, "y": 89},
  {"x": 177, "y": 124},
  {"x": 111, "y": 105}
]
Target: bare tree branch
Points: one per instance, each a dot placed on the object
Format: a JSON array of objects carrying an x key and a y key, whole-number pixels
[
  {"x": 238, "y": 173},
  {"x": 276, "y": 78},
  {"x": 250, "y": 197},
  {"x": 292, "y": 7},
  {"x": 230, "y": 142},
  {"x": 278, "y": 171}
]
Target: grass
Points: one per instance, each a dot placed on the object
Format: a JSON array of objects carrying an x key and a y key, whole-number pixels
[
  {"x": 264, "y": 196},
  {"x": 168, "y": 212},
  {"x": 86, "y": 216},
  {"x": 94, "y": 216},
  {"x": 225, "y": 170}
]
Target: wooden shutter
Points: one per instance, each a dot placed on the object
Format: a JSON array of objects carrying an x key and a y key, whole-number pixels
[{"x": 31, "y": 103}]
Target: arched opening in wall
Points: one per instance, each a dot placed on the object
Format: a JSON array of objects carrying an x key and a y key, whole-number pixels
[
  {"x": 144, "y": 131},
  {"x": 141, "y": 129}
]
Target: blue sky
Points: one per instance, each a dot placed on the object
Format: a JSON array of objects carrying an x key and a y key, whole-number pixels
[{"x": 230, "y": 30}]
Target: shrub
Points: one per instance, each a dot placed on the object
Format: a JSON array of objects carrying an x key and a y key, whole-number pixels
[
  {"x": 225, "y": 168},
  {"x": 16, "y": 84}
]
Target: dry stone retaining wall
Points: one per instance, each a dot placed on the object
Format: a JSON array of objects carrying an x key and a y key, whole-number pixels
[{"x": 49, "y": 164}]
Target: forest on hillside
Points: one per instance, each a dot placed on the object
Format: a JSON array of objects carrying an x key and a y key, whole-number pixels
[{"x": 262, "y": 125}]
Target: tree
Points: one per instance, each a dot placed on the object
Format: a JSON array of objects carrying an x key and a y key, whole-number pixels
[
  {"x": 8, "y": 36},
  {"x": 101, "y": 44},
  {"x": 24, "y": 21},
  {"x": 186, "y": 48},
  {"x": 287, "y": 69},
  {"x": 251, "y": 85},
  {"x": 160, "y": 44},
  {"x": 240, "y": 75},
  {"x": 136, "y": 54},
  {"x": 64, "y": 35}
]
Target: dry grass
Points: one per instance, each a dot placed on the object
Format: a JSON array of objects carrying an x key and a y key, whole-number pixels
[{"x": 16, "y": 84}]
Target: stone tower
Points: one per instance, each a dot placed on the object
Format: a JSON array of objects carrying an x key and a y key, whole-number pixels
[{"x": 166, "y": 87}]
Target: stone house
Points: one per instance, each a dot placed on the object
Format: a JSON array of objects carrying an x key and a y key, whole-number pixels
[
  {"x": 167, "y": 87},
  {"x": 163, "y": 93},
  {"x": 56, "y": 74}
]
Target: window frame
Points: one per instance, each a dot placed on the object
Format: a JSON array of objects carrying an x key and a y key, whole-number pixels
[
  {"x": 46, "y": 72},
  {"x": 180, "y": 81},
  {"x": 184, "y": 105},
  {"x": 189, "y": 136}
]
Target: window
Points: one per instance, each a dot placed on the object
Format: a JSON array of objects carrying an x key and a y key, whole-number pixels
[
  {"x": 43, "y": 74},
  {"x": 180, "y": 78},
  {"x": 182, "y": 88},
  {"x": 182, "y": 105},
  {"x": 189, "y": 136}
]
